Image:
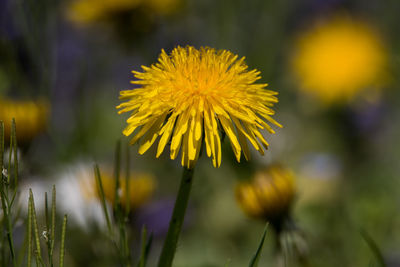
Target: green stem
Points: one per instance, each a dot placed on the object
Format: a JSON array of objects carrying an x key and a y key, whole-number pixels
[{"x": 175, "y": 224}]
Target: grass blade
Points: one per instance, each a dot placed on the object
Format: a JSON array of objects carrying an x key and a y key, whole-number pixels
[
  {"x": 46, "y": 211},
  {"x": 38, "y": 251},
  {"x": 10, "y": 156},
  {"x": 102, "y": 197},
  {"x": 373, "y": 247},
  {"x": 14, "y": 148},
  {"x": 127, "y": 180},
  {"x": 6, "y": 218},
  {"x": 62, "y": 247},
  {"x": 53, "y": 222},
  {"x": 29, "y": 232},
  {"x": 142, "y": 260},
  {"x": 117, "y": 165},
  {"x": 1, "y": 147},
  {"x": 145, "y": 248},
  {"x": 256, "y": 257}
]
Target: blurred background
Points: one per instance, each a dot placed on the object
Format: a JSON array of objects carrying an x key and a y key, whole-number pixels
[{"x": 335, "y": 64}]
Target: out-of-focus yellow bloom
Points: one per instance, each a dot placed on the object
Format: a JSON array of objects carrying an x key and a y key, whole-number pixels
[
  {"x": 189, "y": 96},
  {"x": 30, "y": 117},
  {"x": 140, "y": 189},
  {"x": 338, "y": 59},
  {"x": 268, "y": 195},
  {"x": 87, "y": 11}
]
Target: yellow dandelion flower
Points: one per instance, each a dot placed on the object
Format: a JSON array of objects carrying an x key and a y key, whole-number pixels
[
  {"x": 268, "y": 195},
  {"x": 140, "y": 188},
  {"x": 189, "y": 96},
  {"x": 338, "y": 59},
  {"x": 30, "y": 117}
]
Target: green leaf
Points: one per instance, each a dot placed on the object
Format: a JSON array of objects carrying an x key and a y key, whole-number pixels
[{"x": 256, "y": 257}]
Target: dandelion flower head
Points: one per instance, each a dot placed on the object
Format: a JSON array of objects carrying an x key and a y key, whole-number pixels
[
  {"x": 193, "y": 95},
  {"x": 338, "y": 59}
]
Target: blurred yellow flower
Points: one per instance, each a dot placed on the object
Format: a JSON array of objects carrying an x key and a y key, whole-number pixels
[
  {"x": 268, "y": 195},
  {"x": 189, "y": 95},
  {"x": 87, "y": 11},
  {"x": 338, "y": 59},
  {"x": 30, "y": 117},
  {"x": 140, "y": 188}
]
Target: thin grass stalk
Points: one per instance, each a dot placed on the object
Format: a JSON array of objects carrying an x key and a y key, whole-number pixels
[
  {"x": 373, "y": 246},
  {"x": 29, "y": 232},
  {"x": 117, "y": 165},
  {"x": 9, "y": 159},
  {"x": 4, "y": 196},
  {"x": 7, "y": 219},
  {"x": 142, "y": 261},
  {"x": 22, "y": 251},
  {"x": 102, "y": 197},
  {"x": 53, "y": 222},
  {"x": 1, "y": 147},
  {"x": 62, "y": 247},
  {"x": 13, "y": 152},
  {"x": 119, "y": 214},
  {"x": 14, "y": 148},
  {"x": 256, "y": 257},
  {"x": 46, "y": 211},
  {"x": 178, "y": 215},
  {"x": 38, "y": 251},
  {"x": 2, "y": 250},
  {"x": 47, "y": 231},
  {"x": 127, "y": 182}
]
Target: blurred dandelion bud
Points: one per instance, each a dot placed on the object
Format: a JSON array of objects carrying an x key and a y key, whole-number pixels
[
  {"x": 338, "y": 59},
  {"x": 87, "y": 11},
  {"x": 31, "y": 117},
  {"x": 139, "y": 12},
  {"x": 268, "y": 196},
  {"x": 138, "y": 191}
]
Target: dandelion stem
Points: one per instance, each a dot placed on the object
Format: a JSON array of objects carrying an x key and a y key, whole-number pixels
[{"x": 178, "y": 215}]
